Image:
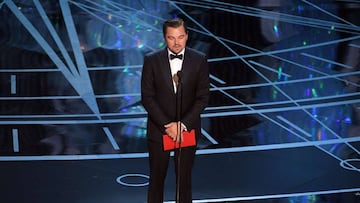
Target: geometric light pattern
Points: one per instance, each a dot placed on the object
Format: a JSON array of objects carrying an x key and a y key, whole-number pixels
[
  {"x": 284, "y": 74},
  {"x": 293, "y": 81}
]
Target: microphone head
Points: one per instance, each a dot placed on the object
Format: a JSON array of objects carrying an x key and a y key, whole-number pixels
[
  {"x": 179, "y": 75},
  {"x": 176, "y": 78}
]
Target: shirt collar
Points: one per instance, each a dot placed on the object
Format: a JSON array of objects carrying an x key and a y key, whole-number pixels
[{"x": 170, "y": 52}]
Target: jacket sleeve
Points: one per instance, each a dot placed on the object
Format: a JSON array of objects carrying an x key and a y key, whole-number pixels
[
  {"x": 200, "y": 97},
  {"x": 149, "y": 93}
]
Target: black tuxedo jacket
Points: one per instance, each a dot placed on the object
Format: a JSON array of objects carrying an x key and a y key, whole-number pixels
[{"x": 158, "y": 96}]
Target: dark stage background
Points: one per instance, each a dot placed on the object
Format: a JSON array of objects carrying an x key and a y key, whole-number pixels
[{"x": 282, "y": 124}]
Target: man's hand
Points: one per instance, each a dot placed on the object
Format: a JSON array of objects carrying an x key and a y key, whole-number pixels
[{"x": 174, "y": 130}]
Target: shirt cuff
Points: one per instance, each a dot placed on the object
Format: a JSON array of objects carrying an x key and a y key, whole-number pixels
[{"x": 183, "y": 126}]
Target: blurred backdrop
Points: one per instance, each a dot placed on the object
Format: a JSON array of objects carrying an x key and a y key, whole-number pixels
[{"x": 284, "y": 73}]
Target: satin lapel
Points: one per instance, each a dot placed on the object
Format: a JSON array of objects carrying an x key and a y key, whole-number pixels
[
  {"x": 186, "y": 66},
  {"x": 165, "y": 69}
]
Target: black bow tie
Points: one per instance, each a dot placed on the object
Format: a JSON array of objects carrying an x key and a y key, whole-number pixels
[{"x": 179, "y": 56}]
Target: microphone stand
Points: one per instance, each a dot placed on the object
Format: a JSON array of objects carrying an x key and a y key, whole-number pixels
[{"x": 178, "y": 111}]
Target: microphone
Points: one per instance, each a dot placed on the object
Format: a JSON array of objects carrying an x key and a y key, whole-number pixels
[
  {"x": 178, "y": 115},
  {"x": 179, "y": 74},
  {"x": 177, "y": 77}
]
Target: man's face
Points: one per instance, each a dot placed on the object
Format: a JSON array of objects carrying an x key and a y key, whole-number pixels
[{"x": 176, "y": 38}]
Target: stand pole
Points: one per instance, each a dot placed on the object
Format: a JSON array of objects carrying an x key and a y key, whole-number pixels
[{"x": 178, "y": 111}]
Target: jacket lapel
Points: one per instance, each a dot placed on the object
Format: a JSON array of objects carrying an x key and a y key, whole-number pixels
[
  {"x": 186, "y": 65},
  {"x": 165, "y": 69}
]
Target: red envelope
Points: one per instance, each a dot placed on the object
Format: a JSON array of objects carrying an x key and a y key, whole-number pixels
[{"x": 188, "y": 140}]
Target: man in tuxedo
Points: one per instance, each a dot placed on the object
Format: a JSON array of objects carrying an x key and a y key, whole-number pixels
[{"x": 159, "y": 90}]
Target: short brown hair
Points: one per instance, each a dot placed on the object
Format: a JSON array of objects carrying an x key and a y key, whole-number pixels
[{"x": 175, "y": 23}]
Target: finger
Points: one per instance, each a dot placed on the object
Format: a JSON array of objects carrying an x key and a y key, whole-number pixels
[
  {"x": 176, "y": 138},
  {"x": 173, "y": 137},
  {"x": 168, "y": 125}
]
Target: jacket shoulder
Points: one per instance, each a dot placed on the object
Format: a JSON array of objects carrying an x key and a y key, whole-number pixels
[
  {"x": 155, "y": 53},
  {"x": 195, "y": 52}
]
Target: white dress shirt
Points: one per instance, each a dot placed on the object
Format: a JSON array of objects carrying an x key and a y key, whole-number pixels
[{"x": 175, "y": 65}]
